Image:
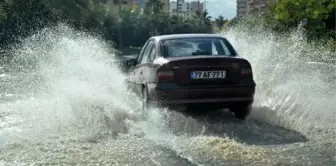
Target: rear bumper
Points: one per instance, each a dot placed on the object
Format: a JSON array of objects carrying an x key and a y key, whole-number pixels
[{"x": 225, "y": 96}]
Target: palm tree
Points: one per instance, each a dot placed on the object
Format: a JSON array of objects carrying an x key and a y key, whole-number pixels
[
  {"x": 220, "y": 21},
  {"x": 153, "y": 7},
  {"x": 204, "y": 16}
]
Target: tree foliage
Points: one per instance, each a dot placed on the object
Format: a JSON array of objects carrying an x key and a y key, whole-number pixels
[
  {"x": 288, "y": 13},
  {"x": 294, "y": 11},
  {"x": 282, "y": 15},
  {"x": 2, "y": 12},
  {"x": 20, "y": 18},
  {"x": 153, "y": 7},
  {"x": 220, "y": 21}
]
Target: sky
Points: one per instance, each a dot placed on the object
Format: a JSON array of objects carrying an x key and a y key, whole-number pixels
[{"x": 226, "y": 8}]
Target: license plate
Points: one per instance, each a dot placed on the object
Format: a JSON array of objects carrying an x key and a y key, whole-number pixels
[{"x": 208, "y": 75}]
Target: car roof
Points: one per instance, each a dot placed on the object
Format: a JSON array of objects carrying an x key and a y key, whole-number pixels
[{"x": 188, "y": 35}]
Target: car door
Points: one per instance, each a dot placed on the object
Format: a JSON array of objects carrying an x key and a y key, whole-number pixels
[
  {"x": 140, "y": 68},
  {"x": 149, "y": 72},
  {"x": 131, "y": 75}
]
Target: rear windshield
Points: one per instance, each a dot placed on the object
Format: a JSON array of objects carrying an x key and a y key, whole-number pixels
[{"x": 196, "y": 46}]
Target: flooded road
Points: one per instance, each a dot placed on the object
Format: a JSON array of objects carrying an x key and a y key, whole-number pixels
[{"x": 63, "y": 102}]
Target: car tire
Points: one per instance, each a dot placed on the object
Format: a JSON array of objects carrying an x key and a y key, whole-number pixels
[
  {"x": 241, "y": 112},
  {"x": 144, "y": 99},
  {"x": 128, "y": 88}
]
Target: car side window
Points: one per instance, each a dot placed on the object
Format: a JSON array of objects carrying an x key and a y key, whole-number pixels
[
  {"x": 139, "y": 58},
  {"x": 152, "y": 54},
  {"x": 147, "y": 52}
]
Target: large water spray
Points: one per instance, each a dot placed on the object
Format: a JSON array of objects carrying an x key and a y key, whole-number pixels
[{"x": 64, "y": 101}]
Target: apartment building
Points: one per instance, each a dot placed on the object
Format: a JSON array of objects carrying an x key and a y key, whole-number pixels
[
  {"x": 182, "y": 7},
  {"x": 185, "y": 7},
  {"x": 140, "y": 4},
  {"x": 242, "y": 7},
  {"x": 195, "y": 6},
  {"x": 258, "y": 5},
  {"x": 245, "y": 7}
]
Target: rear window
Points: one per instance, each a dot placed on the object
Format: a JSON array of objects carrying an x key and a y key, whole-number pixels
[{"x": 196, "y": 46}]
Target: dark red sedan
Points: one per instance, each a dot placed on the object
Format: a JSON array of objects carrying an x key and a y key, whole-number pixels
[{"x": 192, "y": 70}]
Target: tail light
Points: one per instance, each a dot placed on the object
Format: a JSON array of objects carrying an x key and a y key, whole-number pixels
[
  {"x": 165, "y": 76},
  {"x": 246, "y": 72}
]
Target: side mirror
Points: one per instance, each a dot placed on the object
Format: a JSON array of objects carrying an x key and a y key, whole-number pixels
[{"x": 130, "y": 63}]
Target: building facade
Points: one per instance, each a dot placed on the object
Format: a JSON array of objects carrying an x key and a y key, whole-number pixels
[
  {"x": 139, "y": 4},
  {"x": 195, "y": 6},
  {"x": 182, "y": 7},
  {"x": 242, "y": 7},
  {"x": 258, "y": 5},
  {"x": 185, "y": 7},
  {"x": 245, "y": 7}
]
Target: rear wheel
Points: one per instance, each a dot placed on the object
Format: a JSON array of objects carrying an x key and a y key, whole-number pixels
[
  {"x": 144, "y": 99},
  {"x": 241, "y": 112},
  {"x": 128, "y": 88}
]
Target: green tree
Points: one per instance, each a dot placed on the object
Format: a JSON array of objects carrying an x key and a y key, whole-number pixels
[
  {"x": 153, "y": 7},
  {"x": 2, "y": 11},
  {"x": 205, "y": 19},
  {"x": 23, "y": 18},
  {"x": 125, "y": 27},
  {"x": 220, "y": 21},
  {"x": 203, "y": 15},
  {"x": 294, "y": 11},
  {"x": 288, "y": 13}
]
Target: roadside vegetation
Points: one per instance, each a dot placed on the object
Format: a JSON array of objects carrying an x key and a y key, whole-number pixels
[
  {"x": 129, "y": 27},
  {"x": 125, "y": 26},
  {"x": 318, "y": 18}
]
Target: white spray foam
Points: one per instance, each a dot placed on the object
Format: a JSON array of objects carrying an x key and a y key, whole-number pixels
[
  {"x": 298, "y": 95},
  {"x": 77, "y": 87},
  {"x": 80, "y": 94}
]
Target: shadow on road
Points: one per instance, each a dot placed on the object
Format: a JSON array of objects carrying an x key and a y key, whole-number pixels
[{"x": 222, "y": 123}]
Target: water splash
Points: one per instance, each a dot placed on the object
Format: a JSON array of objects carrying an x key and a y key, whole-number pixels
[
  {"x": 299, "y": 93},
  {"x": 74, "y": 101},
  {"x": 73, "y": 84}
]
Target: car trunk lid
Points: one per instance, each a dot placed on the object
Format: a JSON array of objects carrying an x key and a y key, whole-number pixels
[{"x": 207, "y": 70}]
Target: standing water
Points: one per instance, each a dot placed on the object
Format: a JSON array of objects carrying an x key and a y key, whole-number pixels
[{"x": 63, "y": 101}]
